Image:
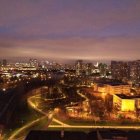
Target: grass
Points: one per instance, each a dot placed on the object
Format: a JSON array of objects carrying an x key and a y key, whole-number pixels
[{"x": 54, "y": 123}]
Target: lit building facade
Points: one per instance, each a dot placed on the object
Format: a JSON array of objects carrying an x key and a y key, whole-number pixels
[
  {"x": 126, "y": 103},
  {"x": 120, "y": 70},
  {"x": 115, "y": 89},
  {"x": 135, "y": 71},
  {"x": 79, "y": 67},
  {"x": 126, "y": 70},
  {"x": 4, "y": 62},
  {"x": 88, "y": 68},
  {"x": 112, "y": 88}
]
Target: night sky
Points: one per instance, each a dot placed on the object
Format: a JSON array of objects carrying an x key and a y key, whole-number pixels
[{"x": 70, "y": 29}]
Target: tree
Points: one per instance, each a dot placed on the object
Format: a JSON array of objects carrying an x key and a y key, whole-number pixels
[{"x": 108, "y": 103}]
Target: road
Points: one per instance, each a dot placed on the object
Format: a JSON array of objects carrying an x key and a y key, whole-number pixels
[
  {"x": 95, "y": 127},
  {"x": 46, "y": 115},
  {"x": 80, "y": 94},
  {"x": 16, "y": 133},
  {"x": 32, "y": 104}
]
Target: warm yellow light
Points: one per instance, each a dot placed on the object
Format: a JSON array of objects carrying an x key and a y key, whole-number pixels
[
  {"x": 128, "y": 105},
  {"x": 4, "y": 89}
]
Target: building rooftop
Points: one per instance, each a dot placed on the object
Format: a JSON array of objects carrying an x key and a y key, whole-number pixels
[
  {"x": 123, "y": 96},
  {"x": 113, "y": 135},
  {"x": 119, "y": 135},
  {"x": 116, "y": 83},
  {"x": 108, "y": 134},
  {"x": 56, "y": 135},
  {"x": 111, "y": 82}
]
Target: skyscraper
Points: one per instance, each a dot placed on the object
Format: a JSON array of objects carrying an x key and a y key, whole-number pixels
[
  {"x": 88, "y": 68},
  {"x": 135, "y": 71},
  {"x": 126, "y": 70},
  {"x": 120, "y": 70},
  {"x": 4, "y": 62},
  {"x": 79, "y": 67}
]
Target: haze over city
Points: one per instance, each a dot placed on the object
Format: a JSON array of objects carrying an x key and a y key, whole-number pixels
[{"x": 74, "y": 29}]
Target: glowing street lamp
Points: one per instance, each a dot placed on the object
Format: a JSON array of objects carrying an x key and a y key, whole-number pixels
[{"x": 4, "y": 89}]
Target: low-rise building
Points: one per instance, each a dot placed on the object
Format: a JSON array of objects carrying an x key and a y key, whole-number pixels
[
  {"x": 126, "y": 103},
  {"x": 113, "y": 88},
  {"x": 117, "y": 88}
]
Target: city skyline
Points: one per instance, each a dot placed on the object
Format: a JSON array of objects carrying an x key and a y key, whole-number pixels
[
  {"x": 69, "y": 69},
  {"x": 70, "y": 30}
]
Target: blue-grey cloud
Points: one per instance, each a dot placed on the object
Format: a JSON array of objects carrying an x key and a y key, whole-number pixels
[{"x": 70, "y": 29}]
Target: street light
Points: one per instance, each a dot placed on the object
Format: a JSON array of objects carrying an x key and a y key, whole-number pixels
[{"x": 4, "y": 89}]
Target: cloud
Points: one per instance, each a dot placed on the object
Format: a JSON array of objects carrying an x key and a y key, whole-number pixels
[
  {"x": 70, "y": 29},
  {"x": 48, "y": 18},
  {"x": 75, "y": 48}
]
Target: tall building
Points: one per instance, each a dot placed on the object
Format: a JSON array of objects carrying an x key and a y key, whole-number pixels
[
  {"x": 88, "y": 68},
  {"x": 103, "y": 69},
  {"x": 126, "y": 70},
  {"x": 4, "y": 62},
  {"x": 135, "y": 71},
  {"x": 79, "y": 67},
  {"x": 120, "y": 70}
]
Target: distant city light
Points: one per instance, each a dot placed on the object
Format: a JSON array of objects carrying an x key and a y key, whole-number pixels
[{"x": 4, "y": 89}]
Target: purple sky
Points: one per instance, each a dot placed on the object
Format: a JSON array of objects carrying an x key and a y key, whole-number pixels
[{"x": 70, "y": 29}]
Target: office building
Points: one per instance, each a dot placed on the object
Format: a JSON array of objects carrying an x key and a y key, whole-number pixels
[
  {"x": 4, "y": 62},
  {"x": 112, "y": 88},
  {"x": 79, "y": 67},
  {"x": 88, "y": 68},
  {"x": 120, "y": 70},
  {"x": 129, "y": 71},
  {"x": 135, "y": 71}
]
